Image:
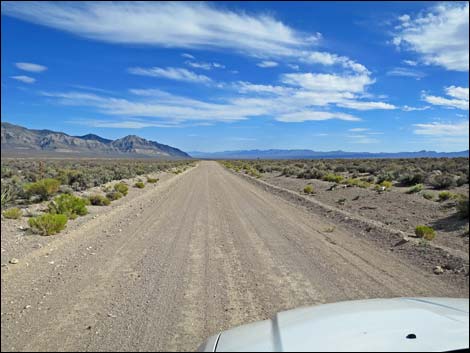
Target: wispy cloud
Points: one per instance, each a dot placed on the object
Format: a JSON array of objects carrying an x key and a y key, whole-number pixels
[
  {"x": 199, "y": 65},
  {"x": 410, "y": 62},
  {"x": 309, "y": 115},
  {"x": 406, "y": 72},
  {"x": 442, "y": 129},
  {"x": 171, "y": 73},
  {"x": 407, "y": 108},
  {"x": 459, "y": 98},
  {"x": 24, "y": 79},
  {"x": 199, "y": 25},
  {"x": 360, "y": 105},
  {"x": 90, "y": 88},
  {"x": 329, "y": 59},
  {"x": 267, "y": 64},
  {"x": 30, "y": 67},
  {"x": 204, "y": 65},
  {"x": 439, "y": 35},
  {"x": 327, "y": 82}
]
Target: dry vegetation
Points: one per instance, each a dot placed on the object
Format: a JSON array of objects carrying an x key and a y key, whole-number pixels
[{"x": 58, "y": 183}]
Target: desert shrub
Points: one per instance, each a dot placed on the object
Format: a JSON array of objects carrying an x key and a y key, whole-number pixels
[
  {"x": 6, "y": 194},
  {"x": 340, "y": 169},
  {"x": 384, "y": 177},
  {"x": 357, "y": 182},
  {"x": 43, "y": 188},
  {"x": 443, "y": 181},
  {"x": 12, "y": 213},
  {"x": 428, "y": 195},
  {"x": 98, "y": 200},
  {"x": 48, "y": 223},
  {"x": 445, "y": 195},
  {"x": 152, "y": 180},
  {"x": 139, "y": 185},
  {"x": 253, "y": 172},
  {"x": 412, "y": 179},
  {"x": 462, "y": 180},
  {"x": 69, "y": 205},
  {"x": 415, "y": 189},
  {"x": 462, "y": 206},
  {"x": 312, "y": 173},
  {"x": 122, "y": 188},
  {"x": 114, "y": 195},
  {"x": 386, "y": 184},
  {"x": 289, "y": 171},
  {"x": 65, "y": 189},
  {"x": 308, "y": 189},
  {"x": 333, "y": 177},
  {"x": 425, "y": 232},
  {"x": 74, "y": 178}
]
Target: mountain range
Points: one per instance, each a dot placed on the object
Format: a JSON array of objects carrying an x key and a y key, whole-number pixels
[
  {"x": 20, "y": 140},
  {"x": 309, "y": 154}
]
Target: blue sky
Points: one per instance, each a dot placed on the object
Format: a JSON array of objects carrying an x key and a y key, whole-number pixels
[{"x": 356, "y": 76}]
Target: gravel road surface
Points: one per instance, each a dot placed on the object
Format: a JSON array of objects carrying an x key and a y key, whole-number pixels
[{"x": 202, "y": 252}]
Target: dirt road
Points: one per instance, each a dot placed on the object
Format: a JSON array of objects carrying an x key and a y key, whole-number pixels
[{"x": 200, "y": 253}]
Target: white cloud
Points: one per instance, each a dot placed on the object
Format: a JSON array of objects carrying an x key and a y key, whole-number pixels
[
  {"x": 199, "y": 25},
  {"x": 407, "y": 108},
  {"x": 442, "y": 129},
  {"x": 159, "y": 106},
  {"x": 359, "y": 105},
  {"x": 307, "y": 115},
  {"x": 459, "y": 98},
  {"x": 267, "y": 63},
  {"x": 406, "y": 72},
  {"x": 199, "y": 65},
  {"x": 410, "y": 62},
  {"x": 204, "y": 65},
  {"x": 24, "y": 79},
  {"x": 30, "y": 67},
  {"x": 440, "y": 36},
  {"x": 166, "y": 24},
  {"x": 247, "y": 87},
  {"x": 329, "y": 59},
  {"x": 458, "y": 92},
  {"x": 171, "y": 73},
  {"x": 327, "y": 82}
]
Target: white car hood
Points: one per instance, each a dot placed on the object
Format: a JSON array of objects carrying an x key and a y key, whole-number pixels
[{"x": 439, "y": 324}]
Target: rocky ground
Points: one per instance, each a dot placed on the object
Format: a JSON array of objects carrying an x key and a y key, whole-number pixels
[{"x": 395, "y": 208}]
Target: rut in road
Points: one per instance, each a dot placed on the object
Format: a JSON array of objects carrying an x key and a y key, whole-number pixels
[{"x": 201, "y": 253}]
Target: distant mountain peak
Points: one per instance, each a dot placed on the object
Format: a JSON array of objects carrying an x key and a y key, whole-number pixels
[
  {"x": 94, "y": 138},
  {"x": 23, "y": 140}
]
